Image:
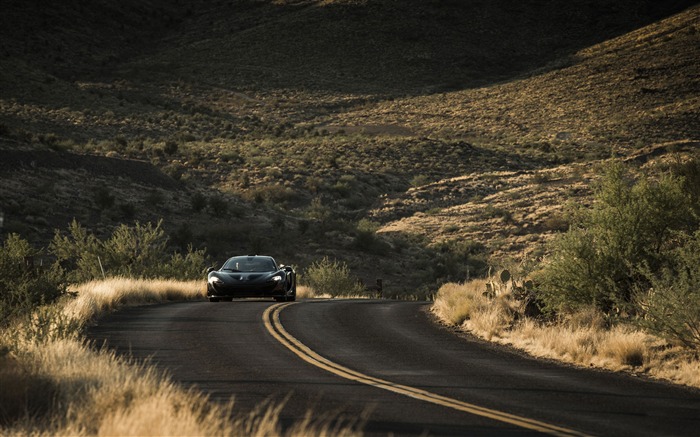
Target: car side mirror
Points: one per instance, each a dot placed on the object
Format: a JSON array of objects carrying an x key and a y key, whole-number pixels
[{"x": 210, "y": 269}]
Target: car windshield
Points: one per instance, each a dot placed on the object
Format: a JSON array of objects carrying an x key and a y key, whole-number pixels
[{"x": 249, "y": 264}]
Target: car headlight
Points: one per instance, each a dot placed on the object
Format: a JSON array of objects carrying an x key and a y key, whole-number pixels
[
  {"x": 277, "y": 278},
  {"x": 215, "y": 281}
]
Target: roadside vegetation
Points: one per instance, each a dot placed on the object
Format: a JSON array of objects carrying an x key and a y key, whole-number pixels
[
  {"x": 619, "y": 289},
  {"x": 331, "y": 278},
  {"x": 55, "y": 383}
]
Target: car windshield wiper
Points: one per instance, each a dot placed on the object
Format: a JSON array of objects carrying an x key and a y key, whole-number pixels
[{"x": 231, "y": 270}]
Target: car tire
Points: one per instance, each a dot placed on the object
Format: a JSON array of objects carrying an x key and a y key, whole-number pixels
[{"x": 213, "y": 299}]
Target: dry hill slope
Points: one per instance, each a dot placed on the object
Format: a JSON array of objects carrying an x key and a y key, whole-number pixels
[
  {"x": 305, "y": 117},
  {"x": 628, "y": 92}
]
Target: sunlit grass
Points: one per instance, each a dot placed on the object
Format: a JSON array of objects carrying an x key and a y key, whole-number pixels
[
  {"x": 583, "y": 338},
  {"x": 97, "y": 297},
  {"x": 56, "y": 384}
]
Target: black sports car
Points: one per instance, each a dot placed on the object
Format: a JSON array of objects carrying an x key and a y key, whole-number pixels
[{"x": 252, "y": 276}]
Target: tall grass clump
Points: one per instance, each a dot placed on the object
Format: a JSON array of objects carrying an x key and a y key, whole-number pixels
[
  {"x": 471, "y": 306},
  {"x": 332, "y": 278},
  {"x": 455, "y": 303}
]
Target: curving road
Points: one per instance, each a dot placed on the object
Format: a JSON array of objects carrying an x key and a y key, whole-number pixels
[{"x": 390, "y": 364}]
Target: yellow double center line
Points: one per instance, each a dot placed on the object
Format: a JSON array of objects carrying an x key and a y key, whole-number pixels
[{"x": 271, "y": 318}]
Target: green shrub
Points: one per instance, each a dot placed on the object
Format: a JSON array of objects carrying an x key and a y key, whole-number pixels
[
  {"x": 139, "y": 251},
  {"x": 24, "y": 286},
  {"x": 218, "y": 207},
  {"x": 671, "y": 306},
  {"x": 366, "y": 238},
  {"x": 191, "y": 265},
  {"x": 457, "y": 260},
  {"x": 419, "y": 180},
  {"x": 631, "y": 224},
  {"x": 332, "y": 278}
]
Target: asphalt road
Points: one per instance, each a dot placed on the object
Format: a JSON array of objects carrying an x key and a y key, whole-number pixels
[{"x": 231, "y": 349}]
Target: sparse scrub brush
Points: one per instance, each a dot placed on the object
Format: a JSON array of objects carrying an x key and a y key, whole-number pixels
[
  {"x": 332, "y": 278},
  {"x": 138, "y": 251},
  {"x": 198, "y": 202}
]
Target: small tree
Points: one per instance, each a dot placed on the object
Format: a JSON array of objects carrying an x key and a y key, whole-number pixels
[
  {"x": 631, "y": 224},
  {"x": 79, "y": 253},
  {"x": 24, "y": 286},
  {"x": 135, "y": 251}
]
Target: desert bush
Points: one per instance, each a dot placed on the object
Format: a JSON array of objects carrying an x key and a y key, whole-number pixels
[
  {"x": 155, "y": 198},
  {"x": 689, "y": 170},
  {"x": 419, "y": 180},
  {"x": 671, "y": 306},
  {"x": 218, "y": 207},
  {"x": 366, "y": 238},
  {"x": 23, "y": 286},
  {"x": 317, "y": 210},
  {"x": 332, "y": 278},
  {"x": 456, "y": 260},
  {"x": 42, "y": 325},
  {"x": 189, "y": 265},
  {"x": 198, "y": 202},
  {"x": 171, "y": 147},
  {"x": 632, "y": 224},
  {"x": 139, "y": 251}
]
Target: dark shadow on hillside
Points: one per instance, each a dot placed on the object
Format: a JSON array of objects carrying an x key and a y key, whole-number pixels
[
  {"x": 381, "y": 47},
  {"x": 413, "y": 47},
  {"x": 140, "y": 172}
]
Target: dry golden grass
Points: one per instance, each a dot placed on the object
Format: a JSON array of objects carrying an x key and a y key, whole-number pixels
[
  {"x": 582, "y": 339},
  {"x": 64, "y": 387},
  {"x": 97, "y": 297},
  {"x": 456, "y": 303},
  {"x": 304, "y": 292}
]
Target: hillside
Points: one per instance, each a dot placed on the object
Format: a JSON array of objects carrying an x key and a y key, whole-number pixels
[{"x": 299, "y": 128}]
